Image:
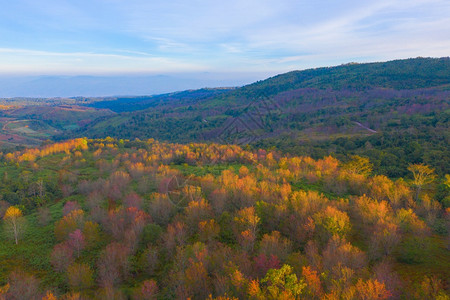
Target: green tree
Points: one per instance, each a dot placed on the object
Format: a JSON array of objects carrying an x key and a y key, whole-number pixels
[{"x": 283, "y": 283}]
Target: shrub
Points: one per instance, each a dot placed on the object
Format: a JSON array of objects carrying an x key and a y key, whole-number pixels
[
  {"x": 61, "y": 257},
  {"x": 80, "y": 276}
]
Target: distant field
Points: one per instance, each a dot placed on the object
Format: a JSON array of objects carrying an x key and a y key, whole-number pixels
[
  {"x": 31, "y": 125},
  {"x": 30, "y": 128}
]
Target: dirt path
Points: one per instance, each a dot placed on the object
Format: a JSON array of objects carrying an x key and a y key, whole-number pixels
[{"x": 365, "y": 127}]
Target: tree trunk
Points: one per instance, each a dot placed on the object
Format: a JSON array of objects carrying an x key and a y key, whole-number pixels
[{"x": 15, "y": 233}]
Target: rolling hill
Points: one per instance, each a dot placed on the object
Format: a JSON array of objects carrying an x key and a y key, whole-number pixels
[{"x": 393, "y": 112}]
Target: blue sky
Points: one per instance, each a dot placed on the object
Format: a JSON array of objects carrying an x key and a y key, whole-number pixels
[{"x": 224, "y": 37}]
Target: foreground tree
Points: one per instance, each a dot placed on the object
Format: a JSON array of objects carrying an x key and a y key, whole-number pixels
[
  {"x": 113, "y": 264},
  {"x": 49, "y": 296},
  {"x": 80, "y": 276},
  {"x": 22, "y": 286},
  {"x": 370, "y": 289},
  {"x": 77, "y": 241},
  {"x": 147, "y": 291},
  {"x": 283, "y": 283},
  {"x": 61, "y": 257},
  {"x": 14, "y": 222}
]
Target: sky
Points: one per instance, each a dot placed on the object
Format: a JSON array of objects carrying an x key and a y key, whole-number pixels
[{"x": 262, "y": 37}]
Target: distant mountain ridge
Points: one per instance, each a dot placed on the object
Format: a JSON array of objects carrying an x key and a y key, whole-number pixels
[{"x": 96, "y": 86}]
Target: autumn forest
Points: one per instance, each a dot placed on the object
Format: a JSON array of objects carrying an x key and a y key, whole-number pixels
[{"x": 141, "y": 219}]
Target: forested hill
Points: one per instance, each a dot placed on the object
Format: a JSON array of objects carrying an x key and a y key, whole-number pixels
[
  {"x": 398, "y": 74},
  {"x": 124, "y": 104},
  {"x": 393, "y": 112}
]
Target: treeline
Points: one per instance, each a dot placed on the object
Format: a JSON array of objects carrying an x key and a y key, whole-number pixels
[
  {"x": 150, "y": 220},
  {"x": 125, "y": 104},
  {"x": 391, "y": 152},
  {"x": 414, "y": 73}
]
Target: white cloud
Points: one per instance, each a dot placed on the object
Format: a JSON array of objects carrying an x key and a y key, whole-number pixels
[
  {"x": 45, "y": 62},
  {"x": 223, "y": 36}
]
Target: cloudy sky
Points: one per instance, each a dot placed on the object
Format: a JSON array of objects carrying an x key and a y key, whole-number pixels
[{"x": 234, "y": 36}]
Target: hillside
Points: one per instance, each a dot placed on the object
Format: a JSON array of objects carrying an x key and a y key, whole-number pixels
[
  {"x": 393, "y": 112},
  {"x": 121, "y": 219},
  {"x": 126, "y": 104},
  {"x": 30, "y": 123}
]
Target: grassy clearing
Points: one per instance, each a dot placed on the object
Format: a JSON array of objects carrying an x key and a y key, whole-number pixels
[
  {"x": 32, "y": 254},
  {"x": 30, "y": 129},
  {"x": 434, "y": 261}
]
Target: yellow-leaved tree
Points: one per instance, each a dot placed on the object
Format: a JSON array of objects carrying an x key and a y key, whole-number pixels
[
  {"x": 359, "y": 165},
  {"x": 423, "y": 175},
  {"x": 14, "y": 222}
]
